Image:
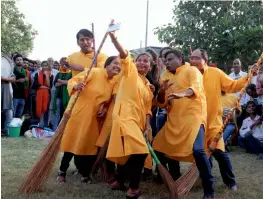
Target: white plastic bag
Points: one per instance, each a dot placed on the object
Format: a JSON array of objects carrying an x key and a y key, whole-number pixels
[{"x": 16, "y": 122}]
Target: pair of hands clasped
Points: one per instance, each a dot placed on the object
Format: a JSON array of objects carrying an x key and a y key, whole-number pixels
[{"x": 167, "y": 84}]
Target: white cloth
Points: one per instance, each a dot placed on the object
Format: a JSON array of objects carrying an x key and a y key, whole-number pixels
[
  {"x": 254, "y": 80},
  {"x": 245, "y": 98},
  {"x": 245, "y": 128},
  {"x": 257, "y": 132}
]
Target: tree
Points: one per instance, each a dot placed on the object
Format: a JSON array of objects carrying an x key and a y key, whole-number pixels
[
  {"x": 226, "y": 29},
  {"x": 16, "y": 35}
]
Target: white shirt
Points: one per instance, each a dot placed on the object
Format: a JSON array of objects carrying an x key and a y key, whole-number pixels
[
  {"x": 245, "y": 128},
  {"x": 257, "y": 132},
  {"x": 245, "y": 98}
]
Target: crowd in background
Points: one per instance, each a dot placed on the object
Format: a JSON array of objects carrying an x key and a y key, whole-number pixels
[{"x": 39, "y": 92}]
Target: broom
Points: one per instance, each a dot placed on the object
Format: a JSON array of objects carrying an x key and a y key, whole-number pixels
[
  {"x": 184, "y": 184},
  {"x": 167, "y": 178},
  {"x": 41, "y": 170}
]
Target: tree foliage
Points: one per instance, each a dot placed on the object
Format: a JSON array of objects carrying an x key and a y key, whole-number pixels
[
  {"x": 16, "y": 35},
  {"x": 226, "y": 29}
]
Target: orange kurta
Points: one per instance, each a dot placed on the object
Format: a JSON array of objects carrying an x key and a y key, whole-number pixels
[
  {"x": 184, "y": 116},
  {"x": 85, "y": 60},
  {"x": 82, "y": 130},
  {"x": 216, "y": 80},
  {"x": 133, "y": 102}
]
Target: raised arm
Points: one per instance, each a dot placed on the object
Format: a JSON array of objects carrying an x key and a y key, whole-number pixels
[{"x": 229, "y": 85}]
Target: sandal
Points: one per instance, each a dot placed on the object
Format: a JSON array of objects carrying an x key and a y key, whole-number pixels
[{"x": 139, "y": 194}]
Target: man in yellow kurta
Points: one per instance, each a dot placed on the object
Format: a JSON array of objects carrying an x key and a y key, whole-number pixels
[
  {"x": 182, "y": 136},
  {"x": 82, "y": 129},
  {"x": 81, "y": 60},
  {"x": 215, "y": 81}
]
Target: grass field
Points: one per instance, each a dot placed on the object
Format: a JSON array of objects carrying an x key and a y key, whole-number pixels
[{"x": 19, "y": 154}]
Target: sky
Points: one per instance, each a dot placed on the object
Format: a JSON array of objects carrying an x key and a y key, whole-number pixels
[{"x": 58, "y": 22}]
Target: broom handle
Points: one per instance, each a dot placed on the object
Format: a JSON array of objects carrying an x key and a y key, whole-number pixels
[
  {"x": 94, "y": 42},
  {"x": 216, "y": 139},
  {"x": 157, "y": 161},
  {"x": 88, "y": 71}
]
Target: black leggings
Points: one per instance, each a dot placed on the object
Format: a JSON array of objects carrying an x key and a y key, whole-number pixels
[
  {"x": 173, "y": 165},
  {"x": 132, "y": 169},
  {"x": 85, "y": 164},
  {"x": 110, "y": 167},
  {"x": 67, "y": 157}
]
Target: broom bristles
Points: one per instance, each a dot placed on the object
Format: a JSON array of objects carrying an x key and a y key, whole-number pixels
[
  {"x": 41, "y": 169},
  {"x": 100, "y": 158},
  {"x": 168, "y": 180}
]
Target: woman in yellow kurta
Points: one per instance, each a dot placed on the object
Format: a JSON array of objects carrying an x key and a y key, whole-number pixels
[
  {"x": 131, "y": 120},
  {"x": 82, "y": 130},
  {"x": 215, "y": 81}
]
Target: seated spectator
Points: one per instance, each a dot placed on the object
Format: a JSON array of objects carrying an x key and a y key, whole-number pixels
[
  {"x": 43, "y": 83},
  {"x": 259, "y": 85},
  {"x": 228, "y": 102},
  {"x": 246, "y": 139}
]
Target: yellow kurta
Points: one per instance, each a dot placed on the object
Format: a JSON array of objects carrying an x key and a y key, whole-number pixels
[
  {"x": 229, "y": 100},
  {"x": 133, "y": 102},
  {"x": 82, "y": 130},
  {"x": 216, "y": 80},
  {"x": 107, "y": 124},
  {"x": 184, "y": 116},
  {"x": 85, "y": 60}
]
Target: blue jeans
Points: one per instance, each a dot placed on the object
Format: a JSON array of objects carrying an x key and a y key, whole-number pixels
[
  {"x": 230, "y": 128},
  {"x": 251, "y": 144},
  {"x": 225, "y": 167},
  {"x": 161, "y": 119},
  {"x": 203, "y": 164},
  {"x": 8, "y": 116},
  {"x": 56, "y": 116},
  {"x": 18, "y": 107},
  {"x": 44, "y": 120}
]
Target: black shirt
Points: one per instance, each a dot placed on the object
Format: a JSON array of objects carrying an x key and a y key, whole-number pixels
[{"x": 18, "y": 88}]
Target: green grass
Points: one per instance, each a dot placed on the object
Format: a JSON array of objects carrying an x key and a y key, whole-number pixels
[{"x": 19, "y": 154}]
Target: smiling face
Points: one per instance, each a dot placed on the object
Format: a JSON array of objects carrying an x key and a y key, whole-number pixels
[
  {"x": 85, "y": 44},
  {"x": 143, "y": 63},
  {"x": 113, "y": 68}
]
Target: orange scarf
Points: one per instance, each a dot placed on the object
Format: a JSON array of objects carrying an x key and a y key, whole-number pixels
[{"x": 42, "y": 98}]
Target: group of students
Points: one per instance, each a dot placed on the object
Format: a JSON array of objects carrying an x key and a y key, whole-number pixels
[{"x": 119, "y": 100}]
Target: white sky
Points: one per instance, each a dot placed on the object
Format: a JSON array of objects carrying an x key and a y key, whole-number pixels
[{"x": 58, "y": 22}]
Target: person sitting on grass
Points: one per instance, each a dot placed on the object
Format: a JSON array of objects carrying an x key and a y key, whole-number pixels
[{"x": 245, "y": 139}]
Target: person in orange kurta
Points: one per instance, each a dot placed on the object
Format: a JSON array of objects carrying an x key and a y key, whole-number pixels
[
  {"x": 43, "y": 83},
  {"x": 82, "y": 129},
  {"x": 81, "y": 60},
  {"x": 215, "y": 81},
  {"x": 182, "y": 136},
  {"x": 131, "y": 120}
]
